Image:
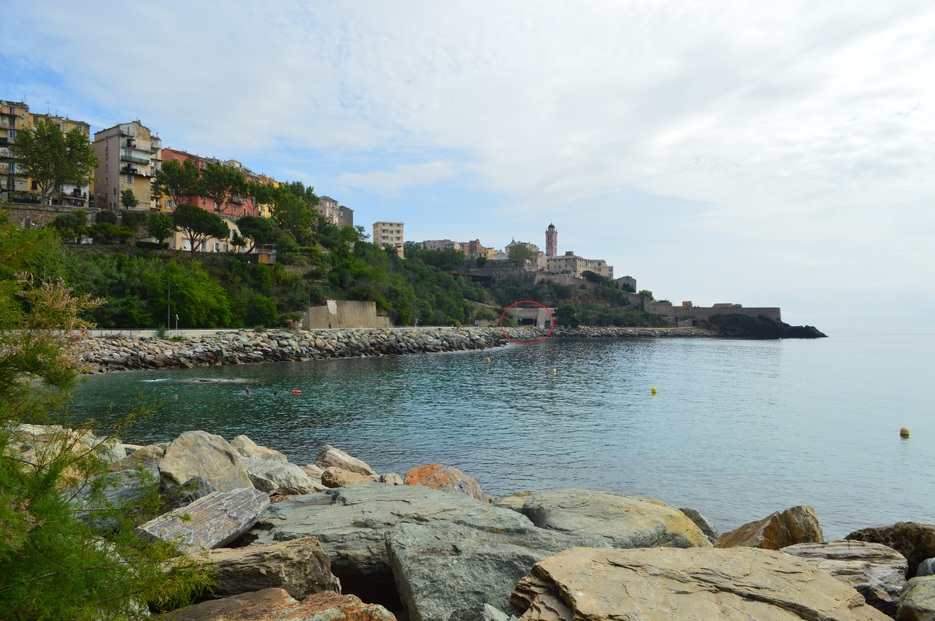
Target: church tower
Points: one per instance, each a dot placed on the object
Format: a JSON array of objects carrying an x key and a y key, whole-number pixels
[{"x": 551, "y": 241}]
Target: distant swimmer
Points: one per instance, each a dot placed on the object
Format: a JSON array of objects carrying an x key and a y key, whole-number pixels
[
  {"x": 175, "y": 397},
  {"x": 247, "y": 390}
]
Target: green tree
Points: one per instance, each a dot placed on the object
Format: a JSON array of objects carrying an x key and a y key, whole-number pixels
[
  {"x": 198, "y": 225},
  {"x": 222, "y": 183},
  {"x": 53, "y": 158},
  {"x": 257, "y": 230},
  {"x": 521, "y": 252},
  {"x": 71, "y": 225},
  {"x": 178, "y": 181},
  {"x": 160, "y": 226},
  {"x": 128, "y": 199},
  {"x": 294, "y": 215}
]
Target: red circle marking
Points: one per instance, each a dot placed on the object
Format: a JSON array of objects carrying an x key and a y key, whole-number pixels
[{"x": 512, "y": 340}]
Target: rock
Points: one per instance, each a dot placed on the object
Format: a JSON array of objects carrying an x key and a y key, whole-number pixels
[
  {"x": 38, "y": 439},
  {"x": 484, "y": 554},
  {"x": 585, "y": 584},
  {"x": 123, "y": 489},
  {"x": 775, "y": 531},
  {"x": 338, "y": 477},
  {"x": 185, "y": 494},
  {"x": 330, "y": 456},
  {"x": 913, "y": 540},
  {"x": 489, "y": 613},
  {"x": 445, "y": 478},
  {"x": 926, "y": 567},
  {"x": 248, "y": 448},
  {"x": 299, "y": 566},
  {"x": 277, "y": 605},
  {"x": 917, "y": 602},
  {"x": 351, "y": 522},
  {"x": 391, "y": 478},
  {"x": 702, "y": 522},
  {"x": 734, "y": 325},
  {"x": 877, "y": 572},
  {"x": 280, "y": 477},
  {"x": 209, "y": 522},
  {"x": 197, "y": 453},
  {"x": 313, "y": 471},
  {"x": 146, "y": 456},
  {"x": 623, "y": 521}
]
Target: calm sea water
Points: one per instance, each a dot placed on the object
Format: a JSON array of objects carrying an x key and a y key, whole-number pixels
[{"x": 737, "y": 429}]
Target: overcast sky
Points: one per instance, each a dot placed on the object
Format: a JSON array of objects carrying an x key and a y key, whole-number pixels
[{"x": 762, "y": 153}]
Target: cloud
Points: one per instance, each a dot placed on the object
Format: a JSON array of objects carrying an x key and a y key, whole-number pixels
[{"x": 392, "y": 182}]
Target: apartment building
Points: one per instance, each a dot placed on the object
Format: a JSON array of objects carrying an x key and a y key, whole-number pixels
[
  {"x": 71, "y": 195},
  {"x": 129, "y": 158},
  {"x": 14, "y": 117},
  {"x": 389, "y": 234},
  {"x": 474, "y": 249},
  {"x": 334, "y": 212},
  {"x": 236, "y": 207},
  {"x": 570, "y": 263},
  {"x": 441, "y": 244}
]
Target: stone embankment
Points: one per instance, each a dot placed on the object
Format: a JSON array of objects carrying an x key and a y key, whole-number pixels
[
  {"x": 430, "y": 546},
  {"x": 122, "y": 352}
]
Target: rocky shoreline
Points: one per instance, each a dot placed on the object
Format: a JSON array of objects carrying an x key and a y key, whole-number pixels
[
  {"x": 124, "y": 352},
  {"x": 336, "y": 540}
]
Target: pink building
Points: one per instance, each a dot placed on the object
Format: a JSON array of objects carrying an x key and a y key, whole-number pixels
[{"x": 235, "y": 208}]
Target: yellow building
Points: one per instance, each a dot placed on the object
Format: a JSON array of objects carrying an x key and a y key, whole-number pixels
[
  {"x": 129, "y": 158},
  {"x": 389, "y": 234},
  {"x": 14, "y": 117},
  {"x": 71, "y": 195}
]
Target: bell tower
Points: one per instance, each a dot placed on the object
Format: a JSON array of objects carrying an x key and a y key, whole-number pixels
[{"x": 551, "y": 241}]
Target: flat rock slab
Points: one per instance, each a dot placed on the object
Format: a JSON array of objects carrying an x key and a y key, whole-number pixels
[
  {"x": 351, "y": 522},
  {"x": 584, "y": 584},
  {"x": 624, "y": 521},
  {"x": 278, "y": 605},
  {"x": 448, "y": 571},
  {"x": 211, "y": 521},
  {"x": 300, "y": 566},
  {"x": 878, "y": 572}
]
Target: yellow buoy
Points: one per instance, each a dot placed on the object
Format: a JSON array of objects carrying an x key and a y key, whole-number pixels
[
  {"x": 904, "y": 432},
  {"x": 554, "y": 371},
  {"x": 653, "y": 390},
  {"x": 488, "y": 360}
]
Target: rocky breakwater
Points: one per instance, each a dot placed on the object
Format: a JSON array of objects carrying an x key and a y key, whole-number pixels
[
  {"x": 286, "y": 541},
  {"x": 588, "y": 332},
  {"x": 125, "y": 352}
]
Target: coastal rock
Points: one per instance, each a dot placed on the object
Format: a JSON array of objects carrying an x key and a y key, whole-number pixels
[
  {"x": 917, "y": 602},
  {"x": 209, "y": 522},
  {"x": 313, "y": 470},
  {"x": 702, "y": 522},
  {"x": 277, "y": 605},
  {"x": 145, "y": 456},
  {"x": 445, "y": 478},
  {"x": 351, "y": 522},
  {"x": 484, "y": 554},
  {"x": 127, "y": 488},
  {"x": 926, "y": 567},
  {"x": 330, "y": 456},
  {"x": 649, "y": 584},
  {"x": 36, "y": 440},
  {"x": 913, "y": 540},
  {"x": 777, "y": 530},
  {"x": 338, "y": 477},
  {"x": 734, "y": 325},
  {"x": 277, "y": 477},
  {"x": 877, "y": 572},
  {"x": 299, "y": 566},
  {"x": 185, "y": 494},
  {"x": 248, "y": 448},
  {"x": 391, "y": 478},
  {"x": 623, "y": 521},
  {"x": 198, "y": 453}
]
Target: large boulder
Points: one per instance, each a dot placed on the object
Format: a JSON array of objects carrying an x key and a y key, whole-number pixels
[
  {"x": 585, "y": 584},
  {"x": 702, "y": 522},
  {"x": 279, "y": 477},
  {"x": 777, "y": 530},
  {"x": 277, "y": 605},
  {"x": 917, "y": 602},
  {"x": 209, "y": 522},
  {"x": 445, "y": 478},
  {"x": 351, "y": 522},
  {"x": 913, "y": 540},
  {"x": 121, "y": 491},
  {"x": 623, "y": 521},
  {"x": 248, "y": 448},
  {"x": 198, "y": 453},
  {"x": 333, "y": 476},
  {"x": 330, "y": 456},
  {"x": 299, "y": 566},
  {"x": 484, "y": 554},
  {"x": 877, "y": 572}
]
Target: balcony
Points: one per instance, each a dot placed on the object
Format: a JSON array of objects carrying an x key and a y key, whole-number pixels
[{"x": 136, "y": 158}]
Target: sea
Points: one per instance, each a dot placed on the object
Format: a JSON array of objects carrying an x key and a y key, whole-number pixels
[{"x": 736, "y": 429}]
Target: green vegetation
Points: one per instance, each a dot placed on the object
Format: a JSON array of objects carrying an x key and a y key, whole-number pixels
[
  {"x": 53, "y": 158},
  {"x": 55, "y": 562}
]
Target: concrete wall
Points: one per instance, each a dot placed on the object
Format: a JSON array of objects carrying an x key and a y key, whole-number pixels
[{"x": 345, "y": 314}]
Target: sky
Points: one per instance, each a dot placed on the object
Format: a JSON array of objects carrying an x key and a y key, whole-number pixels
[{"x": 765, "y": 153}]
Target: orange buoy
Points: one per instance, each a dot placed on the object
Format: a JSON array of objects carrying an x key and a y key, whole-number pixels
[
  {"x": 296, "y": 391},
  {"x": 904, "y": 432}
]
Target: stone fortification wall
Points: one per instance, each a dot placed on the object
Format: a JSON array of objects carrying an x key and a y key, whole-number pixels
[
  {"x": 704, "y": 313},
  {"x": 345, "y": 314},
  {"x": 28, "y": 215}
]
